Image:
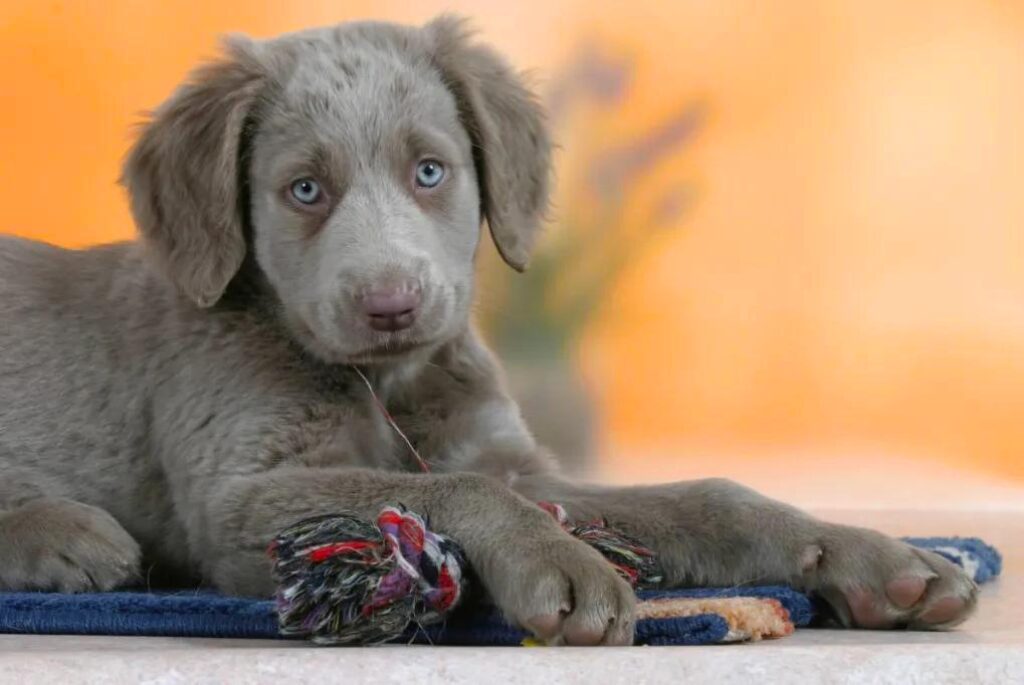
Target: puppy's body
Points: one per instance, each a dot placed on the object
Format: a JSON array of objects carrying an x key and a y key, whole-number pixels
[
  {"x": 74, "y": 424},
  {"x": 310, "y": 211},
  {"x": 168, "y": 401}
]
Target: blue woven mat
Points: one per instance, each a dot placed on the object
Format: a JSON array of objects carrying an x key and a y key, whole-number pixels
[{"x": 206, "y": 614}]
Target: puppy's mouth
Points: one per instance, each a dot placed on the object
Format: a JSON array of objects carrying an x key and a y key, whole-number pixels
[
  {"x": 386, "y": 350},
  {"x": 380, "y": 347}
]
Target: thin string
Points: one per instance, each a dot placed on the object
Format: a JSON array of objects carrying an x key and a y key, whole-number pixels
[{"x": 387, "y": 415}]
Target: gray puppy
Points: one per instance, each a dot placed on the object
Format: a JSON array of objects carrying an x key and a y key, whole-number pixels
[{"x": 310, "y": 208}]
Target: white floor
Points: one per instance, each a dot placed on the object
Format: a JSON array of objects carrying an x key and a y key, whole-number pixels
[{"x": 988, "y": 649}]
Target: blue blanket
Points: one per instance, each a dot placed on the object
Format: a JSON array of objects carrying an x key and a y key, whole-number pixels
[{"x": 206, "y": 614}]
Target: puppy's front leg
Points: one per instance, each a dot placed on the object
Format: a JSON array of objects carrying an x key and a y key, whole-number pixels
[
  {"x": 717, "y": 533},
  {"x": 542, "y": 578}
]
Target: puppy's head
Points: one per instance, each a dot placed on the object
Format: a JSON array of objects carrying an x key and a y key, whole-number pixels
[{"x": 356, "y": 163}]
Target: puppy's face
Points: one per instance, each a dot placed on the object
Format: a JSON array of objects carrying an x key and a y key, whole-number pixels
[
  {"x": 355, "y": 164},
  {"x": 365, "y": 206}
]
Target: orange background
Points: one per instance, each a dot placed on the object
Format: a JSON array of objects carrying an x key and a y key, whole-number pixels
[{"x": 840, "y": 318}]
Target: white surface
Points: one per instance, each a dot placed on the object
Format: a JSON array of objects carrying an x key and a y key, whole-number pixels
[{"x": 988, "y": 649}]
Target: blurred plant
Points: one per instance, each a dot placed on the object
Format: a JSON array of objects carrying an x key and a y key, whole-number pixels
[
  {"x": 535, "y": 319},
  {"x": 539, "y": 315}
]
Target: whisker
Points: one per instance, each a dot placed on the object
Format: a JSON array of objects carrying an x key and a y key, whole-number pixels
[{"x": 391, "y": 420}]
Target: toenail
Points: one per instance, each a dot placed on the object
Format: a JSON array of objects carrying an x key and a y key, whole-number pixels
[
  {"x": 866, "y": 610},
  {"x": 906, "y": 592},
  {"x": 943, "y": 610},
  {"x": 545, "y": 625},
  {"x": 582, "y": 636}
]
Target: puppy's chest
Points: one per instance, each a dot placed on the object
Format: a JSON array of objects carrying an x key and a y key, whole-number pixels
[{"x": 382, "y": 430}]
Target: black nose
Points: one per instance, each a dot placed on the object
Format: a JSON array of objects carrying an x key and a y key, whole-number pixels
[{"x": 392, "y": 309}]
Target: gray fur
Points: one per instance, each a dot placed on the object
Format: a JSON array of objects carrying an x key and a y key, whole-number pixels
[{"x": 195, "y": 392}]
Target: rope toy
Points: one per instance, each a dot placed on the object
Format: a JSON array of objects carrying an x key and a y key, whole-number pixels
[
  {"x": 344, "y": 580},
  {"x": 635, "y": 562}
]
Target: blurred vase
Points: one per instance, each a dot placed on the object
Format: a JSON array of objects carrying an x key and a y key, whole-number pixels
[{"x": 558, "y": 407}]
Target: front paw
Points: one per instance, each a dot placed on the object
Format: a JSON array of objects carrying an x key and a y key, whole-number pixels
[
  {"x": 875, "y": 581},
  {"x": 66, "y": 546},
  {"x": 562, "y": 590}
]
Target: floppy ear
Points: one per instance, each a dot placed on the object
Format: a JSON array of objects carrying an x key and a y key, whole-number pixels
[
  {"x": 183, "y": 175},
  {"x": 506, "y": 124}
]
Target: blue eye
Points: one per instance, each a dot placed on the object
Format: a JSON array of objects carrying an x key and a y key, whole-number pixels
[
  {"x": 429, "y": 173},
  {"x": 306, "y": 191}
]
